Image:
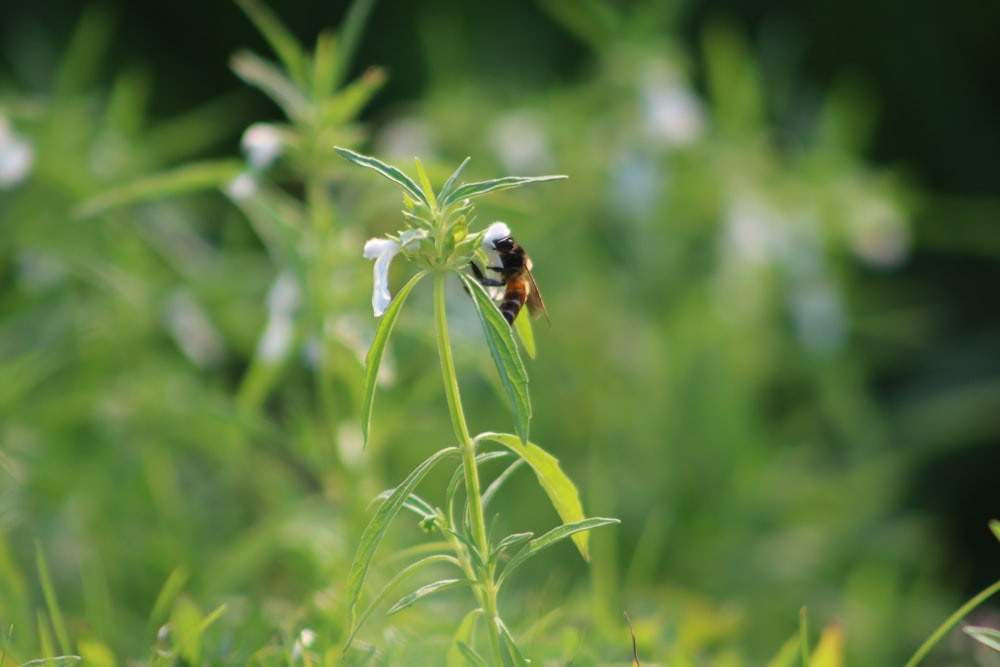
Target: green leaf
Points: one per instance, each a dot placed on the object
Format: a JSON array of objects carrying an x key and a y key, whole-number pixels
[
  {"x": 470, "y": 190},
  {"x": 192, "y": 177},
  {"x": 522, "y": 325},
  {"x": 379, "y": 523},
  {"x": 459, "y": 477},
  {"x": 504, "y": 352},
  {"x": 508, "y": 542},
  {"x": 425, "y": 184},
  {"x": 388, "y": 171},
  {"x": 554, "y": 536},
  {"x": 450, "y": 183},
  {"x": 469, "y": 655},
  {"x": 285, "y": 46},
  {"x": 557, "y": 485},
  {"x": 347, "y": 103},
  {"x": 511, "y": 654},
  {"x": 985, "y": 636},
  {"x": 271, "y": 81},
  {"x": 429, "y": 589},
  {"x": 375, "y": 353},
  {"x": 324, "y": 66},
  {"x": 57, "y": 661},
  {"x": 786, "y": 656},
  {"x": 995, "y": 528},
  {"x": 351, "y": 30},
  {"x": 392, "y": 585},
  {"x": 457, "y": 657},
  {"x": 498, "y": 482},
  {"x": 172, "y": 587},
  {"x": 51, "y": 602}
]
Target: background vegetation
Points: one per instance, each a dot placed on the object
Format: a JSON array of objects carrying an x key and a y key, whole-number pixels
[{"x": 771, "y": 278}]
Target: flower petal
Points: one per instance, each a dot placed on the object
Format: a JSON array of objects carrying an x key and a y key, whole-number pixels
[{"x": 382, "y": 251}]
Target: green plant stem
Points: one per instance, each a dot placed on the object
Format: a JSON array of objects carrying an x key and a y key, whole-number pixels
[
  {"x": 952, "y": 622},
  {"x": 488, "y": 599}
]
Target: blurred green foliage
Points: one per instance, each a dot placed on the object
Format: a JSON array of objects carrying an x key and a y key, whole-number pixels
[{"x": 181, "y": 340}]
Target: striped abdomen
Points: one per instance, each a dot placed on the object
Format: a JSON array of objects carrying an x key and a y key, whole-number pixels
[{"x": 514, "y": 297}]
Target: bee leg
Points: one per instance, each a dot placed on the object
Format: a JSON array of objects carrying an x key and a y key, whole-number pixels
[{"x": 483, "y": 280}]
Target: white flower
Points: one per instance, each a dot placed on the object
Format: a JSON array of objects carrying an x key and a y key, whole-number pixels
[
  {"x": 382, "y": 251},
  {"x": 263, "y": 144},
  {"x": 279, "y": 334},
  {"x": 242, "y": 187},
  {"x": 17, "y": 156}
]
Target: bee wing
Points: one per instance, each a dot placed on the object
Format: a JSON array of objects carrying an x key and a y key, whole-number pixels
[{"x": 536, "y": 305}]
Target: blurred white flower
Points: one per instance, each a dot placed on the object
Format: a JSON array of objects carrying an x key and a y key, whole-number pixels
[
  {"x": 17, "y": 156},
  {"x": 672, "y": 113},
  {"x": 382, "y": 251},
  {"x": 305, "y": 639},
  {"x": 403, "y": 138},
  {"x": 521, "y": 143},
  {"x": 242, "y": 187},
  {"x": 263, "y": 145},
  {"x": 282, "y": 302},
  {"x": 192, "y": 329},
  {"x": 878, "y": 233}
]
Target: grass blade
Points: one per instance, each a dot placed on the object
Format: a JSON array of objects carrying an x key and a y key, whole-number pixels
[
  {"x": 513, "y": 376},
  {"x": 388, "y": 171},
  {"x": 49, "y": 592},
  {"x": 375, "y": 353},
  {"x": 379, "y": 523}
]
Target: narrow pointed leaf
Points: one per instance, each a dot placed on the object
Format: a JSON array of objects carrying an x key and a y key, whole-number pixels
[
  {"x": 198, "y": 176},
  {"x": 388, "y": 171},
  {"x": 552, "y": 537},
  {"x": 429, "y": 589},
  {"x": 425, "y": 184},
  {"x": 375, "y": 353},
  {"x": 351, "y": 30},
  {"x": 58, "y": 661},
  {"x": 463, "y": 636},
  {"x": 452, "y": 180},
  {"x": 379, "y": 523},
  {"x": 557, "y": 485},
  {"x": 324, "y": 66},
  {"x": 349, "y": 100},
  {"x": 469, "y": 654},
  {"x": 470, "y": 190},
  {"x": 392, "y": 585},
  {"x": 504, "y": 352},
  {"x": 285, "y": 46},
  {"x": 525, "y": 333},
  {"x": 272, "y": 81},
  {"x": 985, "y": 636},
  {"x": 495, "y": 485},
  {"x": 510, "y": 652}
]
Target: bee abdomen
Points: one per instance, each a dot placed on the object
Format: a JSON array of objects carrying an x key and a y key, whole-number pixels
[{"x": 513, "y": 300}]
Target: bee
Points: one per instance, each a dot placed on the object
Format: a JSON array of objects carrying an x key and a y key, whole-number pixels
[{"x": 508, "y": 260}]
